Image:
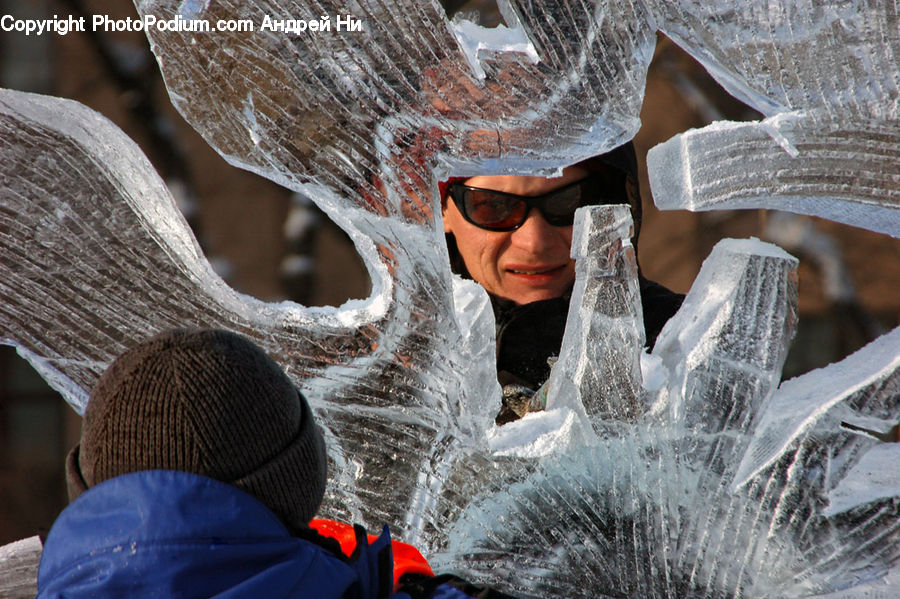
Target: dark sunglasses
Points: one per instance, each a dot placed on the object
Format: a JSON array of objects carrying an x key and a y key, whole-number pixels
[{"x": 498, "y": 211}]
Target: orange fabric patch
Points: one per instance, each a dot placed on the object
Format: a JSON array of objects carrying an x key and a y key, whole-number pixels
[{"x": 407, "y": 559}]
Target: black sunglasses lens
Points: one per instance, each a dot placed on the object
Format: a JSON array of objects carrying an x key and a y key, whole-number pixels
[
  {"x": 488, "y": 209},
  {"x": 559, "y": 208},
  {"x": 498, "y": 211}
]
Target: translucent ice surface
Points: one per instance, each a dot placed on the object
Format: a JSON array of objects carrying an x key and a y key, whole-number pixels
[
  {"x": 687, "y": 472},
  {"x": 825, "y": 75},
  {"x": 95, "y": 256},
  {"x": 599, "y": 362},
  {"x": 650, "y": 509}
]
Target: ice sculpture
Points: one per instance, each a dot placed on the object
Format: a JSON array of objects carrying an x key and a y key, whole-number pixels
[
  {"x": 599, "y": 363},
  {"x": 825, "y": 76},
  {"x": 704, "y": 480}
]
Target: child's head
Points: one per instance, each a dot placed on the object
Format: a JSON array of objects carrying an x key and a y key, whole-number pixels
[{"x": 208, "y": 402}]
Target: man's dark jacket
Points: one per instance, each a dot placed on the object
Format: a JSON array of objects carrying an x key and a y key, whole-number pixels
[{"x": 531, "y": 334}]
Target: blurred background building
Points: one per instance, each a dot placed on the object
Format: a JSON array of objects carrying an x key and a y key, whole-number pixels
[{"x": 270, "y": 243}]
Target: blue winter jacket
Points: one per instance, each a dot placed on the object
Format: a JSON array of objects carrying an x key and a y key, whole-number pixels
[{"x": 172, "y": 534}]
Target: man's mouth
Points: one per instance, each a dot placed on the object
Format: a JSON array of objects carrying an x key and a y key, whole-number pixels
[{"x": 535, "y": 271}]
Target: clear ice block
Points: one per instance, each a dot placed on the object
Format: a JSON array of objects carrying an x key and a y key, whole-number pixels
[
  {"x": 845, "y": 171},
  {"x": 861, "y": 390},
  {"x": 599, "y": 368},
  {"x": 824, "y": 74},
  {"x": 725, "y": 348}
]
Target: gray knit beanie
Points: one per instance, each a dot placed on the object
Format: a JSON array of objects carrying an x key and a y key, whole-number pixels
[{"x": 208, "y": 402}]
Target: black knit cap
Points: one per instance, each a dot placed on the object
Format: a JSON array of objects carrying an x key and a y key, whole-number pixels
[
  {"x": 622, "y": 160},
  {"x": 208, "y": 402}
]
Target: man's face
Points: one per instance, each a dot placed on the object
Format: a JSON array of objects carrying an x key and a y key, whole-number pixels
[{"x": 529, "y": 264}]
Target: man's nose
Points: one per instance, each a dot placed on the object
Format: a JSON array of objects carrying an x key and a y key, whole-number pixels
[{"x": 535, "y": 235}]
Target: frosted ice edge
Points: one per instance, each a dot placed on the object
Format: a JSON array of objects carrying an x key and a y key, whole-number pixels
[{"x": 874, "y": 477}]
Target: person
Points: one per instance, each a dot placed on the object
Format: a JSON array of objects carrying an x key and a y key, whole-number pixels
[
  {"x": 198, "y": 474},
  {"x": 513, "y": 235}
]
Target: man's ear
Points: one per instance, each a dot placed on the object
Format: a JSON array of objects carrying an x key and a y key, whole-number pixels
[{"x": 445, "y": 208}]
